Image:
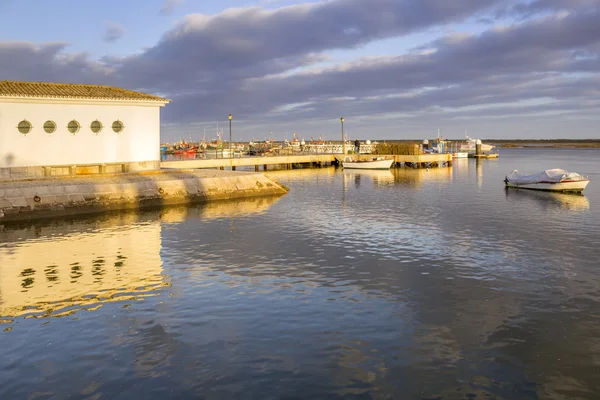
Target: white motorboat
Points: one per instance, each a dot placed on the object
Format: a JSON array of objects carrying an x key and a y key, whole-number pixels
[
  {"x": 470, "y": 146},
  {"x": 554, "y": 180},
  {"x": 460, "y": 155},
  {"x": 373, "y": 163}
]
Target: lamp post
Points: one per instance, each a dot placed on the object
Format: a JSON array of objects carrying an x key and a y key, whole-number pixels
[
  {"x": 230, "y": 118},
  {"x": 343, "y": 140}
]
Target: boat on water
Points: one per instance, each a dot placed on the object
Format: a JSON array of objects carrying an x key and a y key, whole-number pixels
[
  {"x": 373, "y": 163},
  {"x": 553, "y": 180},
  {"x": 460, "y": 155},
  {"x": 470, "y": 146}
]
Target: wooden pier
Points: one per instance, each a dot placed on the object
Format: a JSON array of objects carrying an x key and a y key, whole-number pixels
[
  {"x": 484, "y": 155},
  {"x": 290, "y": 161}
]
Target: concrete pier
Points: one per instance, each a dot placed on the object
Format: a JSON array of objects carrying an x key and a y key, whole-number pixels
[{"x": 25, "y": 199}]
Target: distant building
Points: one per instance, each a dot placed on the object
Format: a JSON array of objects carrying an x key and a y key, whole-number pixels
[{"x": 58, "y": 129}]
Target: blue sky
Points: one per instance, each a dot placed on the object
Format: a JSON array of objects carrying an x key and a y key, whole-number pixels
[{"x": 395, "y": 69}]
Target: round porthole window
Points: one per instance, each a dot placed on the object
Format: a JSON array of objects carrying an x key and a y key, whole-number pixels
[
  {"x": 49, "y": 126},
  {"x": 96, "y": 126},
  {"x": 73, "y": 127},
  {"x": 118, "y": 126},
  {"x": 24, "y": 127}
]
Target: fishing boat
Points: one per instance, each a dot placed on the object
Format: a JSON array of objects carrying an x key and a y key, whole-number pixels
[
  {"x": 373, "y": 163},
  {"x": 190, "y": 151},
  {"x": 554, "y": 180}
]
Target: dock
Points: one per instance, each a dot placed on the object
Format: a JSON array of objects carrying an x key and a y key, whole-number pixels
[
  {"x": 292, "y": 161},
  {"x": 26, "y": 199},
  {"x": 484, "y": 156}
]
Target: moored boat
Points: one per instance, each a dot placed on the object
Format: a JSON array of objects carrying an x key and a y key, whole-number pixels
[
  {"x": 470, "y": 146},
  {"x": 373, "y": 163},
  {"x": 554, "y": 180}
]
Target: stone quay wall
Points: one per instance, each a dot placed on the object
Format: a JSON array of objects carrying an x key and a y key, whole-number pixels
[{"x": 25, "y": 199}]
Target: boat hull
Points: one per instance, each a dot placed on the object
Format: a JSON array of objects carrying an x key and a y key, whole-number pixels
[
  {"x": 460, "y": 155},
  {"x": 375, "y": 164},
  {"x": 568, "y": 186},
  {"x": 471, "y": 149}
]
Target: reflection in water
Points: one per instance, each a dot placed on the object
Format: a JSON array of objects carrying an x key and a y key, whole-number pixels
[
  {"x": 84, "y": 264},
  {"x": 219, "y": 209},
  {"x": 79, "y": 266},
  {"x": 378, "y": 177},
  {"x": 479, "y": 169},
  {"x": 566, "y": 201},
  {"x": 425, "y": 288},
  {"x": 418, "y": 176},
  {"x": 405, "y": 176},
  {"x": 460, "y": 164},
  {"x": 302, "y": 174}
]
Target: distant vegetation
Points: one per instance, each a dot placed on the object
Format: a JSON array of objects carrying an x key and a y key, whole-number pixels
[
  {"x": 505, "y": 143},
  {"x": 555, "y": 143}
]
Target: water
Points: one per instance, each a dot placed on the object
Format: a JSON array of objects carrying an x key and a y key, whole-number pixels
[{"x": 410, "y": 284}]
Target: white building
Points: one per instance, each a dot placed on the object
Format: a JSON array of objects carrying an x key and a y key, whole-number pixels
[{"x": 56, "y": 129}]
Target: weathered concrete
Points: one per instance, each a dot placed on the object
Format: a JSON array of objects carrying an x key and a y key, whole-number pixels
[
  {"x": 58, "y": 196},
  {"x": 77, "y": 169}
]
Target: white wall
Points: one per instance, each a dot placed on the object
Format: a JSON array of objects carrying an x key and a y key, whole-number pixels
[{"x": 139, "y": 141}]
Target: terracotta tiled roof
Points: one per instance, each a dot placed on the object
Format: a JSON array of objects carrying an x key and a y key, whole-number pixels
[{"x": 72, "y": 91}]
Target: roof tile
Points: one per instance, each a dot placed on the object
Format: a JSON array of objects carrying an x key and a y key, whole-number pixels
[{"x": 71, "y": 91}]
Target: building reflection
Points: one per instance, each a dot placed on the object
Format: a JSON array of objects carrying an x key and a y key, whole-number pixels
[
  {"x": 58, "y": 270},
  {"x": 416, "y": 177}
]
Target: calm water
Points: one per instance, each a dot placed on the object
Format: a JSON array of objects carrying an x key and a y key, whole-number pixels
[{"x": 410, "y": 284}]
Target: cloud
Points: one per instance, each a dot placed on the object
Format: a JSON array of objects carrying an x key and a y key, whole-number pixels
[
  {"x": 113, "y": 31},
  {"x": 244, "y": 43},
  {"x": 50, "y": 62},
  {"x": 523, "y": 10},
  {"x": 169, "y": 6},
  {"x": 272, "y": 68}
]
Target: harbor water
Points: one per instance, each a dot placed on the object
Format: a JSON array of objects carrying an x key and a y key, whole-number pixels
[{"x": 405, "y": 284}]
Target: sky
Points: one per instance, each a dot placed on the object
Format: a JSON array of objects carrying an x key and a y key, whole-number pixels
[{"x": 394, "y": 69}]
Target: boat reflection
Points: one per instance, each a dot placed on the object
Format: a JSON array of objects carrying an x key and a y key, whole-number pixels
[
  {"x": 562, "y": 201},
  {"x": 80, "y": 266},
  {"x": 479, "y": 170},
  {"x": 378, "y": 177},
  {"x": 399, "y": 176}
]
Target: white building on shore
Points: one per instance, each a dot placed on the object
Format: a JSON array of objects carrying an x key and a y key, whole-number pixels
[{"x": 60, "y": 129}]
